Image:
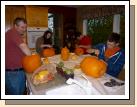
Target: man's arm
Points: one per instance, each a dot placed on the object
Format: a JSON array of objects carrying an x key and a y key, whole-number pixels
[{"x": 25, "y": 49}]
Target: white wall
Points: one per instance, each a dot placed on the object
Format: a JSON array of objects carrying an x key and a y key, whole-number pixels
[{"x": 116, "y": 23}]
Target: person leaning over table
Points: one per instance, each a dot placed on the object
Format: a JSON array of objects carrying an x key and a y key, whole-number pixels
[
  {"x": 69, "y": 39},
  {"x": 44, "y": 41},
  {"x": 83, "y": 41},
  {"x": 111, "y": 53},
  {"x": 15, "y": 50}
]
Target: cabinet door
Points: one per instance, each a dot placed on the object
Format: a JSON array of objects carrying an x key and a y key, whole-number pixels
[
  {"x": 11, "y": 12},
  {"x": 37, "y": 16}
]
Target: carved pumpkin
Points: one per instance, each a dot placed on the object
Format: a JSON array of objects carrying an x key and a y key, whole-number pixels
[
  {"x": 31, "y": 63},
  {"x": 65, "y": 53},
  {"x": 79, "y": 51},
  {"x": 48, "y": 52},
  {"x": 94, "y": 67}
]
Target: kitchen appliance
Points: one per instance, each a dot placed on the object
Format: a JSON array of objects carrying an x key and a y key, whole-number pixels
[{"x": 33, "y": 33}]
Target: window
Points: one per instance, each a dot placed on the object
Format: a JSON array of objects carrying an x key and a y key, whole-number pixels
[
  {"x": 50, "y": 21},
  {"x": 100, "y": 28},
  {"x": 51, "y": 24}
]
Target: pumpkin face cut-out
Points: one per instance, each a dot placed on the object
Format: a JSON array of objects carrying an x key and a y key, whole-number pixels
[
  {"x": 31, "y": 63},
  {"x": 48, "y": 52},
  {"x": 93, "y": 67}
]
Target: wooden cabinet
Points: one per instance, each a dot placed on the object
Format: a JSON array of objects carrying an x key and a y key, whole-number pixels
[
  {"x": 11, "y": 12},
  {"x": 37, "y": 16}
]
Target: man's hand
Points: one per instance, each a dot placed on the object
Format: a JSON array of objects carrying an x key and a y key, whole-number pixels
[
  {"x": 96, "y": 51},
  {"x": 90, "y": 50}
]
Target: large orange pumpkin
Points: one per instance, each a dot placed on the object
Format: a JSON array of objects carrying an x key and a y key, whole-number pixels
[
  {"x": 79, "y": 51},
  {"x": 48, "y": 52},
  {"x": 31, "y": 63},
  {"x": 92, "y": 66},
  {"x": 65, "y": 53}
]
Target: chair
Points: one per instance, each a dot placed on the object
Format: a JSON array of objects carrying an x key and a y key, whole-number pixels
[{"x": 121, "y": 75}]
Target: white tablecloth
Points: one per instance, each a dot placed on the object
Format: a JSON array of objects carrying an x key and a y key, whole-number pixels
[{"x": 97, "y": 83}]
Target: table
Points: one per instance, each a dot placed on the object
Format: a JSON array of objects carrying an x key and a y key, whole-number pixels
[{"x": 97, "y": 83}]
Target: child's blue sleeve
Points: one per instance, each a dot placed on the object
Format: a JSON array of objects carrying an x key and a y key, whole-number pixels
[{"x": 114, "y": 68}]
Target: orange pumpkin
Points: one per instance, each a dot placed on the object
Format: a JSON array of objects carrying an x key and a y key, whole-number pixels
[
  {"x": 79, "y": 51},
  {"x": 65, "y": 53},
  {"x": 92, "y": 66},
  {"x": 31, "y": 63},
  {"x": 48, "y": 52}
]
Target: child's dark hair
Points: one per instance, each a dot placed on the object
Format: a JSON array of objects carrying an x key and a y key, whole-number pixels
[
  {"x": 77, "y": 34},
  {"x": 46, "y": 32},
  {"x": 114, "y": 37},
  {"x": 45, "y": 37}
]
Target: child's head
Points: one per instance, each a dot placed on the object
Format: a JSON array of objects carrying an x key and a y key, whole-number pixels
[
  {"x": 78, "y": 35},
  {"x": 113, "y": 40},
  {"x": 47, "y": 34}
]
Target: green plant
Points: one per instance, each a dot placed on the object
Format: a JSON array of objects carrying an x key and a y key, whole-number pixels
[{"x": 100, "y": 28}]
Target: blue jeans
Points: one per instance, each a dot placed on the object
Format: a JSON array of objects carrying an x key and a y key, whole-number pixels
[{"x": 15, "y": 82}]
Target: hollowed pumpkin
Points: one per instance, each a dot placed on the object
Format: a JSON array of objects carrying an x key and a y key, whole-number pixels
[
  {"x": 31, "y": 63},
  {"x": 79, "y": 51},
  {"x": 65, "y": 53},
  {"x": 48, "y": 52},
  {"x": 94, "y": 67}
]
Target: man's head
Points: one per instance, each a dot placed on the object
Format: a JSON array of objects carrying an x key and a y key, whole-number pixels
[
  {"x": 113, "y": 40},
  {"x": 20, "y": 25}
]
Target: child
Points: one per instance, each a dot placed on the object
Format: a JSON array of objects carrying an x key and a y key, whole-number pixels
[{"x": 111, "y": 53}]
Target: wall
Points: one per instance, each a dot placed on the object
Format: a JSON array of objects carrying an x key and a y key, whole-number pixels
[{"x": 67, "y": 18}]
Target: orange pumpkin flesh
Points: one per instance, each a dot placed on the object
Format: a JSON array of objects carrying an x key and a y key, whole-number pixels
[
  {"x": 65, "y": 53},
  {"x": 31, "y": 63},
  {"x": 79, "y": 51},
  {"x": 48, "y": 52},
  {"x": 94, "y": 67}
]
